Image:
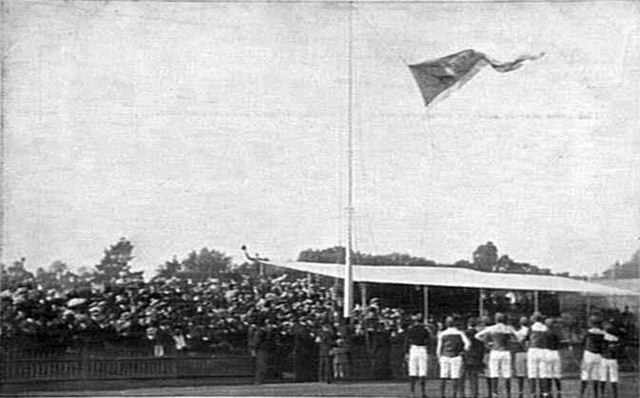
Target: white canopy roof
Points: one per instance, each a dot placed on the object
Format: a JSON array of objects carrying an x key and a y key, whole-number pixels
[{"x": 456, "y": 277}]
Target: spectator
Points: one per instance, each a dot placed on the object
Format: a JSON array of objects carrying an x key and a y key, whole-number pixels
[
  {"x": 472, "y": 359},
  {"x": 325, "y": 341}
]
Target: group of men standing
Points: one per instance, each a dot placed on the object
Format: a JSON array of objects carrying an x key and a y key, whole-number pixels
[{"x": 501, "y": 351}]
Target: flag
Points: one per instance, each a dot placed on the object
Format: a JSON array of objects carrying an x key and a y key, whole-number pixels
[{"x": 441, "y": 76}]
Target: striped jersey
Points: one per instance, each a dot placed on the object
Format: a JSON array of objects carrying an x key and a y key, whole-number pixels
[
  {"x": 452, "y": 342},
  {"x": 594, "y": 340},
  {"x": 538, "y": 335}
]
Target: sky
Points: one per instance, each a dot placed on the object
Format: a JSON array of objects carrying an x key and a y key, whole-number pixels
[{"x": 182, "y": 125}]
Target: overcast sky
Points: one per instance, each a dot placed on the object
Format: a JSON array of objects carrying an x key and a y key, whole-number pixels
[{"x": 183, "y": 125}]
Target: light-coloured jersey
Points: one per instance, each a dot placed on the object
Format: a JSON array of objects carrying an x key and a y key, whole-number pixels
[
  {"x": 499, "y": 335},
  {"x": 452, "y": 342}
]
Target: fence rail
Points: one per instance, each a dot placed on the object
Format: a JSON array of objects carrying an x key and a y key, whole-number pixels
[
  {"x": 83, "y": 367},
  {"x": 124, "y": 368}
]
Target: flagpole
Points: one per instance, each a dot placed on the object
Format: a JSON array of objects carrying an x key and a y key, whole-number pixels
[{"x": 348, "y": 271}]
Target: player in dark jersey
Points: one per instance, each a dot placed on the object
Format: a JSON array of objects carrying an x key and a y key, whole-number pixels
[
  {"x": 592, "y": 358},
  {"x": 416, "y": 340},
  {"x": 610, "y": 354},
  {"x": 452, "y": 342},
  {"x": 537, "y": 364}
]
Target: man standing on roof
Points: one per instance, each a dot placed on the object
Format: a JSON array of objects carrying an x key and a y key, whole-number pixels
[
  {"x": 500, "y": 357},
  {"x": 452, "y": 342},
  {"x": 416, "y": 341},
  {"x": 591, "y": 366},
  {"x": 537, "y": 355}
]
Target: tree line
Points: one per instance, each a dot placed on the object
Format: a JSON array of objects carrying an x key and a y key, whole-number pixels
[{"x": 115, "y": 266}]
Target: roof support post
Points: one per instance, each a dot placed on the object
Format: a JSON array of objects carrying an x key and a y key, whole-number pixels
[
  {"x": 481, "y": 303},
  {"x": 425, "y": 302},
  {"x": 536, "y": 301},
  {"x": 363, "y": 294}
]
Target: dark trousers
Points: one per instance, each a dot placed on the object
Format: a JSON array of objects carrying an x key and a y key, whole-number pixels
[
  {"x": 262, "y": 364},
  {"x": 324, "y": 368},
  {"x": 470, "y": 375}
]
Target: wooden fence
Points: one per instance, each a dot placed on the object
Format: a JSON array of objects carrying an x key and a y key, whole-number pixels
[
  {"x": 89, "y": 367},
  {"x": 78, "y": 369}
]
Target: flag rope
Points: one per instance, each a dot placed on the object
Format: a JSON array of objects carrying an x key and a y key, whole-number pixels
[{"x": 386, "y": 45}]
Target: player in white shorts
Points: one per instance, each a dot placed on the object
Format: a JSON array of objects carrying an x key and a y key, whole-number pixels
[
  {"x": 590, "y": 368},
  {"x": 500, "y": 357},
  {"x": 417, "y": 338},
  {"x": 452, "y": 342},
  {"x": 520, "y": 353},
  {"x": 537, "y": 356},
  {"x": 610, "y": 354}
]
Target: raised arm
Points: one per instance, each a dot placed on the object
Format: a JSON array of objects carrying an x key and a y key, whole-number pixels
[
  {"x": 466, "y": 341},
  {"x": 482, "y": 335}
]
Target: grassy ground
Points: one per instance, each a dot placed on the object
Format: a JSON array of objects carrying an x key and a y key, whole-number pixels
[{"x": 629, "y": 388}]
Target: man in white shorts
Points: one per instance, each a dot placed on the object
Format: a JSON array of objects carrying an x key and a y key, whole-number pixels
[
  {"x": 452, "y": 342},
  {"x": 500, "y": 357},
  {"x": 520, "y": 354},
  {"x": 591, "y": 367},
  {"x": 416, "y": 341},
  {"x": 537, "y": 356},
  {"x": 610, "y": 354}
]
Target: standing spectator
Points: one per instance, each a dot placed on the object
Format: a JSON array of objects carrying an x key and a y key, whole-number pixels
[
  {"x": 451, "y": 344},
  {"x": 610, "y": 355},
  {"x": 164, "y": 339},
  {"x": 326, "y": 341},
  {"x": 591, "y": 366},
  {"x": 153, "y": 338},
  {"x": 261, "y": 350},
  {"x": 180, "y": 342},
  {"x": 339, "y": 355},
  {"x": 303, "y": 350},
  {"x": 473, "y": 363},
  {"x": 381, "y": 346},
  {"x": 537, "y": 356},
  {"x": 520, "y": 353},
  {"x": 500, "y": 357},
  {"x": 417, "y": 339}
]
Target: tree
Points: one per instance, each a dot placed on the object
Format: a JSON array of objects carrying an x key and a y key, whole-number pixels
[
  {"x": 115, "y": 263},
  {"x": 16, "y": 274},
  {"x": 57, "y": 276},
  {"x": 170, "y": 269},
  {"x": 485, "y": 257},
  {"x": 506, "y": 264},
  {"x": 335, "y": 255},
  {"x": 332, "y": 255},
  {"x": 462, "y": 264},
  {"x": 628, "y": 269},
  {"x": 208, "y": 263}
]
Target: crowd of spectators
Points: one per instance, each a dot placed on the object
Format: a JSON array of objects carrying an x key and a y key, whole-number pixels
[{"x": 178, "y": 316}]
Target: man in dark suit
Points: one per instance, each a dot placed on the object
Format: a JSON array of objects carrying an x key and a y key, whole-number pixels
[{"x": 326, "y": 341}]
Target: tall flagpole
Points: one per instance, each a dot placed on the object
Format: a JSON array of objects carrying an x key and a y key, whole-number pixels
[{"x": 348, "y": 271}]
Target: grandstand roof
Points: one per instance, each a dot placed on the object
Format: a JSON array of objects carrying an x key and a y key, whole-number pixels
[{"x": 456, "y": 277}]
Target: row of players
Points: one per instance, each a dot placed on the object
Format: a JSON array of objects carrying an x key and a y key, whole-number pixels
[{"x": 462, "y": 356}]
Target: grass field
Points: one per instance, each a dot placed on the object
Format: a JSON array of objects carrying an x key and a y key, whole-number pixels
[{"x": 629, "y": 388}]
